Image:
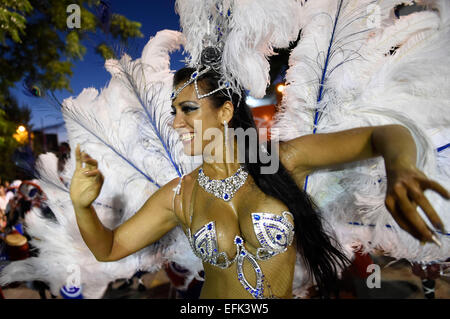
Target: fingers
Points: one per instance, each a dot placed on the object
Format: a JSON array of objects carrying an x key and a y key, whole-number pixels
[
  {"x": 90, "y": 161},
  {"x": 84, "y": 158},
  {"x": 427, "y": 183},
  {"x": 92, "y": 173},
  {"x": 418, "y": 197},
  {"x": 392, "y": 205},
  {"x": 411, "y": 215},
  {"x": 78, "y": 157}
]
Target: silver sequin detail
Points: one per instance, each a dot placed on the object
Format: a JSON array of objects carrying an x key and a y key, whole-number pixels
[
  {"x": 204, "y": 245},
  {"x": 256, "y": 291},
  {"x": 225, "y": 188},
  {"x": 274, "y": 232},
  {"x": 193, "y": 79}
]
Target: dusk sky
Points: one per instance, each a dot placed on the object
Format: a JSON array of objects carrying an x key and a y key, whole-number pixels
[{"x": 153, "y": 15}]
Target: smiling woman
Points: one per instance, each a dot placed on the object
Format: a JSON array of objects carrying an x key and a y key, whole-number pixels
[
  {"x": 257, "y": 233},
  {"x": 247, "y": 246},
  {"x": 238, "y": 225}
]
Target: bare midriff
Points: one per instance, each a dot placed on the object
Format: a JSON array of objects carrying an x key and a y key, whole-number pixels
[{"x": 278, "y": 271}]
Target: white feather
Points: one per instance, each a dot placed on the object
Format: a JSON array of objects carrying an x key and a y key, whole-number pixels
[
  {"x": 255, "y": 27},
  {"x": 108, "y": 127},
  {"x": 371, "y": 87}
]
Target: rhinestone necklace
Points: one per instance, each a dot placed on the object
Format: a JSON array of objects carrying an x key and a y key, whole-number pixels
[{"x": 223, "y": 188}]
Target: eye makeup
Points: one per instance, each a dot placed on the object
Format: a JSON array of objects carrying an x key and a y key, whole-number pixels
[{"x": 186, "y": 107}]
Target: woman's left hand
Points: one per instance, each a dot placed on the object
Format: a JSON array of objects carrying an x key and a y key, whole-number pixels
[{"x": 405, "y": 191}]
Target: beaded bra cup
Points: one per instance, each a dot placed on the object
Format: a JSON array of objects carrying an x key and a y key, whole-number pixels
[{"x": 274, "y": 233}]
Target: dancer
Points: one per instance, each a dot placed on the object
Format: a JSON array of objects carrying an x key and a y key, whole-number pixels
[
  {"x": 225, "y": 232},
  {"x": 346, "y": 78}
]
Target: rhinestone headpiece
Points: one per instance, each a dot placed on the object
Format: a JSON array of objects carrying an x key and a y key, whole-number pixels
[
  {"x": 217, "y": 28},
  {"x": 193, "y": 79}
]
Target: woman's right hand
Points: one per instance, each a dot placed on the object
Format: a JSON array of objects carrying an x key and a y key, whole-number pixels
[{"x": 86, "y": 181}]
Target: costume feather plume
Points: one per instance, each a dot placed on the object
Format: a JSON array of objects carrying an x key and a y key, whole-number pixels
[
  {"x": 357, "y": 65},
  {"x": 126, "y": 128},
  {"x": 249, "y": 30}
]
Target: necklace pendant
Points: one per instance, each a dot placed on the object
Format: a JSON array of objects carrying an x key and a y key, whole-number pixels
[{"x": 223, "y": 188}]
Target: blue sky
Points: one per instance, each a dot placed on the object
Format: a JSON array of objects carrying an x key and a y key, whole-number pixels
[{"x": 153, "y": 15}]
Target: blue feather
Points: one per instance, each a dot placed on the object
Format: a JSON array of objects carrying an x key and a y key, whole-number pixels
[
  {"x": 443, "y": 147},
  {"x": 322, "y": 80},
  {"x": 116, "y": 152},
  {"x": 92, "y": 120},
  {"x": 336, "y": 43},
  {"x": 151, "y": 104}
]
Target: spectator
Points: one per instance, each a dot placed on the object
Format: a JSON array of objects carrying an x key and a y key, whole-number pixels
[
  {"x": 9, "y": 191},
  {"x": 3, "y": 223},
  {"x": 3, "y": 199},
  {"x": 12, "y": 189},
  {"x": 63, "y": 154}
]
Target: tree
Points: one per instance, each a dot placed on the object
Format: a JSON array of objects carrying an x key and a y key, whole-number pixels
[
  {"x": 11, "y": 116},
  {"x": 39, "y": 43}
]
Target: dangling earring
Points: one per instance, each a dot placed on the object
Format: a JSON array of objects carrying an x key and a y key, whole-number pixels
[{"x": 225, "y": 124}]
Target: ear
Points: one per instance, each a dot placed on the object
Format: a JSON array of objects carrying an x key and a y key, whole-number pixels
[{"x": 226, "y": 112}]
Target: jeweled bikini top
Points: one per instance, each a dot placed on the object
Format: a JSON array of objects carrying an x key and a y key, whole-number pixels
[{"x": 274, "y": 233}]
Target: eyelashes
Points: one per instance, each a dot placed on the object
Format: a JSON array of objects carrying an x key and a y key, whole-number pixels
[{"x": 184, "y": 109}]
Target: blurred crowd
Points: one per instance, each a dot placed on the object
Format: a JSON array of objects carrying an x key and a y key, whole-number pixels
[{"x": 17, "y": 199}]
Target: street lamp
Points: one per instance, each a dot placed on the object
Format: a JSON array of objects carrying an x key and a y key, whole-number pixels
[
  {"x": 21, "y": 134},
  {"x": 280, "y": 87}
]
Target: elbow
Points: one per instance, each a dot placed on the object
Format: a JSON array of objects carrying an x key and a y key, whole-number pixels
[
  {"x": 381, "y": 134},
  {"x": 107, "y": 253},
  {"x": 396, "y": 129},
  {"x": 102, "y": 259},
  {"x": 105, "y": 259}
]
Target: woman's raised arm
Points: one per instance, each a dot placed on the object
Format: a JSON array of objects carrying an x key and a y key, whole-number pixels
[
  {"x": 405, "y": 182},
  {"x": 323, "y": 150},
  {"x": 150, "y": 223}
]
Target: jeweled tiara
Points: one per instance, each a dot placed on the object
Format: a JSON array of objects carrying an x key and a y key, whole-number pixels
[
  {"x": 193, "y": 79},
  {"x": 210, "y": 60}
]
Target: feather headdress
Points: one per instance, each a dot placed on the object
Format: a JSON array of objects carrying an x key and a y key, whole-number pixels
[
  {"x": 357, "y": 65},
  {"x": 246, "y": 32}
]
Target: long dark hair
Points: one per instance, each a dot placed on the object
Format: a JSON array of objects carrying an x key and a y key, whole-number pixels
[{"x": 321, "y": 257}]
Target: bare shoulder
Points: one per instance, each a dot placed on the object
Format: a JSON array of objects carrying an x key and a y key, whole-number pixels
[
  {"x": 292, "y": 156},
  {"x": 181, "y": 190},
  {"x": 187, "y": 181}
]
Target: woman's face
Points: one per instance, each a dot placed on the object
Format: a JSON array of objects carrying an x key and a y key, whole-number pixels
[{"x": 192, "y": 118}]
